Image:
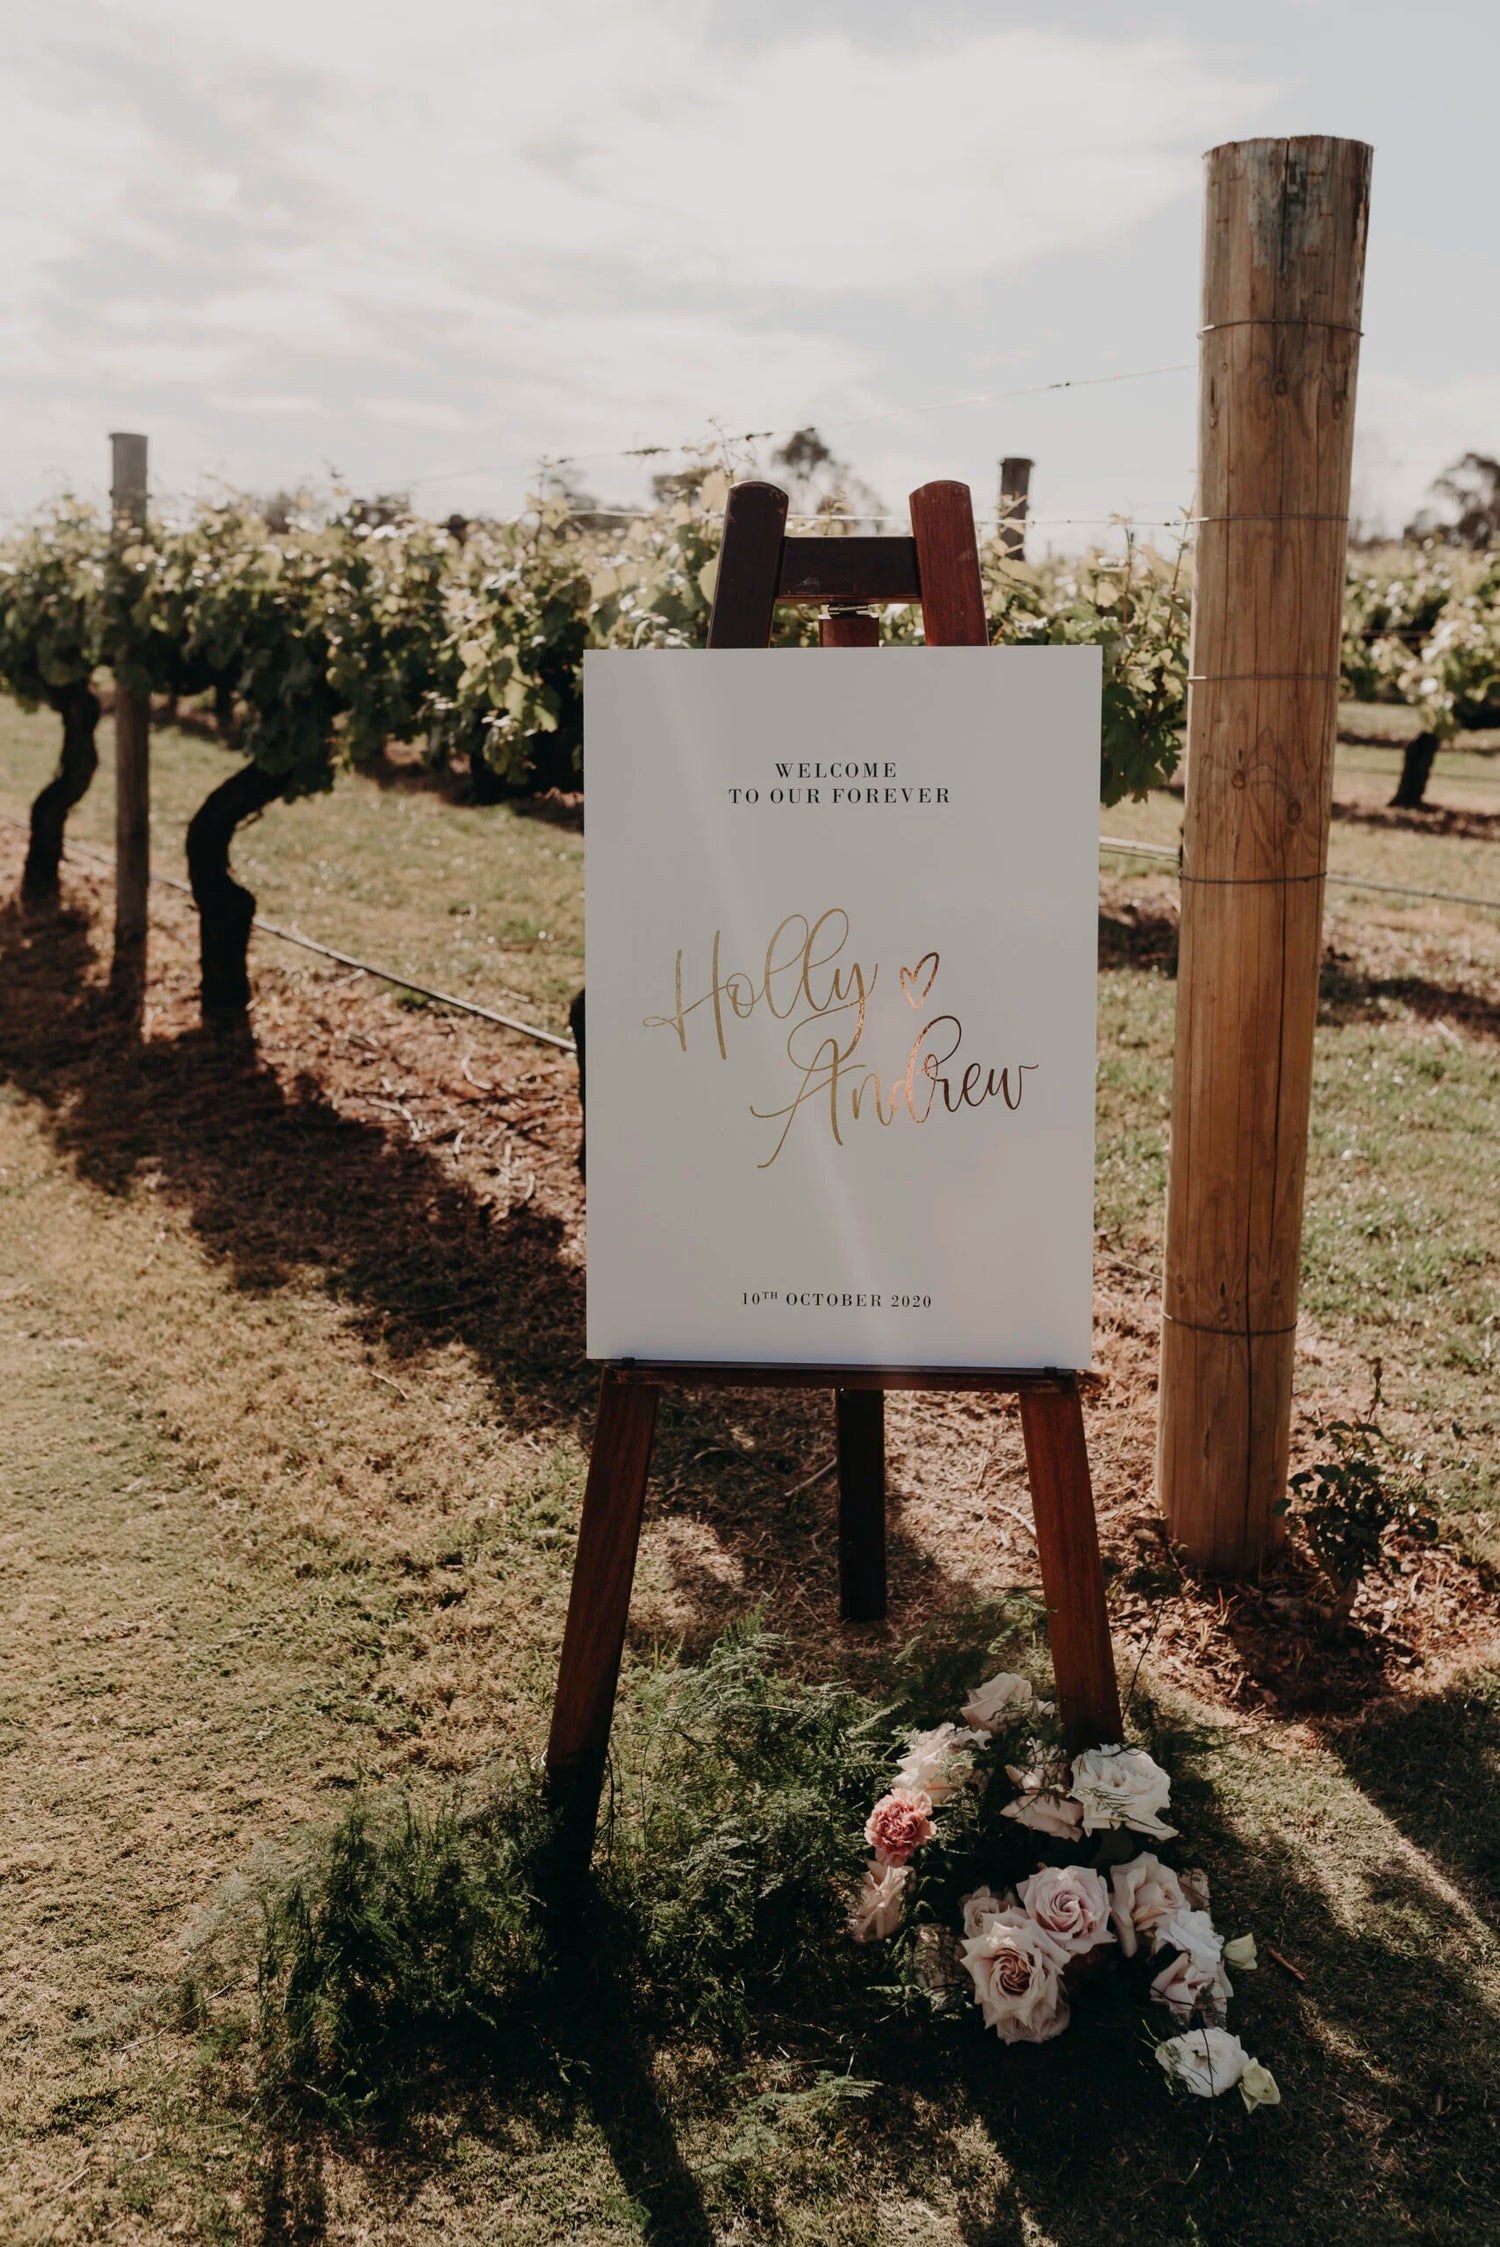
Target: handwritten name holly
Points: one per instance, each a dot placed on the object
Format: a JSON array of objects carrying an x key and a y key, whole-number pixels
[{"x": 808, "y": 980}]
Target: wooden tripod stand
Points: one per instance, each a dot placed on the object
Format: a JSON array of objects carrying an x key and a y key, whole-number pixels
[{"x": 759, "y": 565}]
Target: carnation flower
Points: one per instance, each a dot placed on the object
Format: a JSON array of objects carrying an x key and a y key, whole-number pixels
[
  {"x": 1146, "y": 1892},
  {"x": 991, "y": 1705},
  {"x": 1122, "y": 1787},
  {"x": 1071, "y": 1904},
  {"x": 1014, "y": 1965},
  {"x": 983, "y": 1905},
  {"x": 1206, "y": 2062},
  {"x": 1258, "y": 2087},
  {"x": 900, "y": 1822},
  {"x": 938, "y": 1762},
  {"x": 876, "y": 1911}
]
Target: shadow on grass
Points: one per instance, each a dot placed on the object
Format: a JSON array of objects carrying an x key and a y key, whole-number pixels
[
  {"x": 1386, "y": 2052},
  {"x": 277, "y": 1180},
  {"x": 1347, "y": 994},
  {"x": 1139, "y": 936},
  {"x": 1437, "y": 819},
  {"x": 1432, "y": 1764}
]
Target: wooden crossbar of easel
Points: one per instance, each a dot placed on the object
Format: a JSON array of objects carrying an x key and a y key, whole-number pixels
[{"x": 759, "y": 565}]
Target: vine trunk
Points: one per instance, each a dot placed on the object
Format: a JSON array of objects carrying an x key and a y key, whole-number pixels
[
  {"x": 78, "y": 706},
  {"x": 226, "y": 908}
]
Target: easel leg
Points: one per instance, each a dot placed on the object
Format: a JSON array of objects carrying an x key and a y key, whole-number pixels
[
  {"x": 599, "y": 1604},
  {"x": 859, "y": 1416},
  {"x": 1067, "y": 1538}
]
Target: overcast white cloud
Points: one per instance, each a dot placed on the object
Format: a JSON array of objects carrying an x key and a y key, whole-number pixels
[
  {"x": 431, "y": 245},
  {"x": 409, "y": 241}
]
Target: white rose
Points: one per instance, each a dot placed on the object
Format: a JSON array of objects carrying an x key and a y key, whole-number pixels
[
  {"x": 1122, "y": 1787},
  {"x": 1189, "y": 1988},
  {"x": 1206, "y": 2062},
  {"x": 1145, "y": 1893},
  {"x": 938, "y": 1762},
  {"x": 983, "y": 1905},
  {"x": 1014, "y": 1966},
  {"x": 991, "y": 1705},
  {"x": 1241, "y": 1955},
  {"x": 1071, "y": 1904},
  {"x": 876, "y": 1911},
  {"x": 1258, "y": 2087},
  {"x": 1194, "y": 1934},
  {"x": 1047, "y": 1813}
]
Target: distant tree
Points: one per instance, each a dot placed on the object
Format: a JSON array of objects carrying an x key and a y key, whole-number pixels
[
  {"x": 821, "y": 483},
  {"x": 1468, "y": 505}
]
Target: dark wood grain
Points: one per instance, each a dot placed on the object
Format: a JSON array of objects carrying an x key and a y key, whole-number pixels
[
  {"x": 859, "y": 1418},
  {"x": 679, "y": 1374},
  {"x": 857, "y": 629},
  {"x": 749, "y": 572},
  {"x": 599, "y": 1602},
  {"x": 848, "y": 569},
  {"x": 942, "y": 521},
  {"x": 1067, "y": 1537}
]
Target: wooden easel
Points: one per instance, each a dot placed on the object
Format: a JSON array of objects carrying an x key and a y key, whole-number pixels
[{"x": 759, "y": 565}]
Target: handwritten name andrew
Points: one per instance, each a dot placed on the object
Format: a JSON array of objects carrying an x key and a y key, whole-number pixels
[{"x": 808, "y": 980}]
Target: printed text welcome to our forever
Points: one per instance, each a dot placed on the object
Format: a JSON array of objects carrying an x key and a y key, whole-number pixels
[{"x": 837, "y": 778}]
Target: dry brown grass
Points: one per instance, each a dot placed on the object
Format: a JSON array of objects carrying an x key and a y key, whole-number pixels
[{"x": 295, "y": 1409}]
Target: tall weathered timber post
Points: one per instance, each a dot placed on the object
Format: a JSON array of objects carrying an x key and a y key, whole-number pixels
[{"x": 1283, "y": 272}]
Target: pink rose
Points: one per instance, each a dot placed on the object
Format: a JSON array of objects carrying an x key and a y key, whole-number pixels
[
  {"x": 1071, "y": 1904},
  {"x": 900, "y": 1823},
  {"x": 1146, "y": 1892},
  {"x": 1015, "y": 1966}
]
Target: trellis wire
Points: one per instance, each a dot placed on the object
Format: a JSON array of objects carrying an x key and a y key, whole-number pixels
[
  {"x": 566, "y": 1045},
  {"x": 1345, "y": 881}
]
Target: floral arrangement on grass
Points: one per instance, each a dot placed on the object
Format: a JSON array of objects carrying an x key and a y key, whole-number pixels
[{"x": 1095, "y": 1895}]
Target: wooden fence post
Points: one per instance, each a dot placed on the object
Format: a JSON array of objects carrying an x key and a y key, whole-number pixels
[
  {"x": 1015, "y": 486},
  {"x": 132, "y": 755},
  {"x": 1283, "y": 269}
]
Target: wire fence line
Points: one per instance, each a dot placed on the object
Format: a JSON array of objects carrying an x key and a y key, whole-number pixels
[
  {"x": 713, "y": 435},
  {"x": 1345, "y": 881},
  {"x": 1159, "y": 851},
  {"x": 105, "y": 864},
  {"x": 546, "y": 464}
]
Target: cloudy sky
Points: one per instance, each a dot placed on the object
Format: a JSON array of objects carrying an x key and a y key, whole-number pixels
[{"x": 427, "y": 245}]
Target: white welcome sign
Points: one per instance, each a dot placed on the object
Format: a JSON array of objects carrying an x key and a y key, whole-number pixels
[{"x": 841, "y": 941}]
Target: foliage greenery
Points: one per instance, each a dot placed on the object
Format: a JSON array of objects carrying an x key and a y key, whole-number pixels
[
  {"x": 1352, "y": 1497},
  {"x": 326, "y": 638},
  {"x": 420, "y": 1943}
]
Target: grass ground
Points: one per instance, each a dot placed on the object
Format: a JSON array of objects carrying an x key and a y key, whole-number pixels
[{"x": 294, "y": 1411}]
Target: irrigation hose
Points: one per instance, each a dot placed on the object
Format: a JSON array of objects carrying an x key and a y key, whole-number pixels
[{"x": 326, "y": 951}]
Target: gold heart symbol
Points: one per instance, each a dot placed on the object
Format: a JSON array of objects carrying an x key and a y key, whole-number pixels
[{"x": 910, "y": 976}]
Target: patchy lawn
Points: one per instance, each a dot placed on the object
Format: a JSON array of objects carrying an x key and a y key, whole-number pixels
[{"x": 294, "y": 1413}]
